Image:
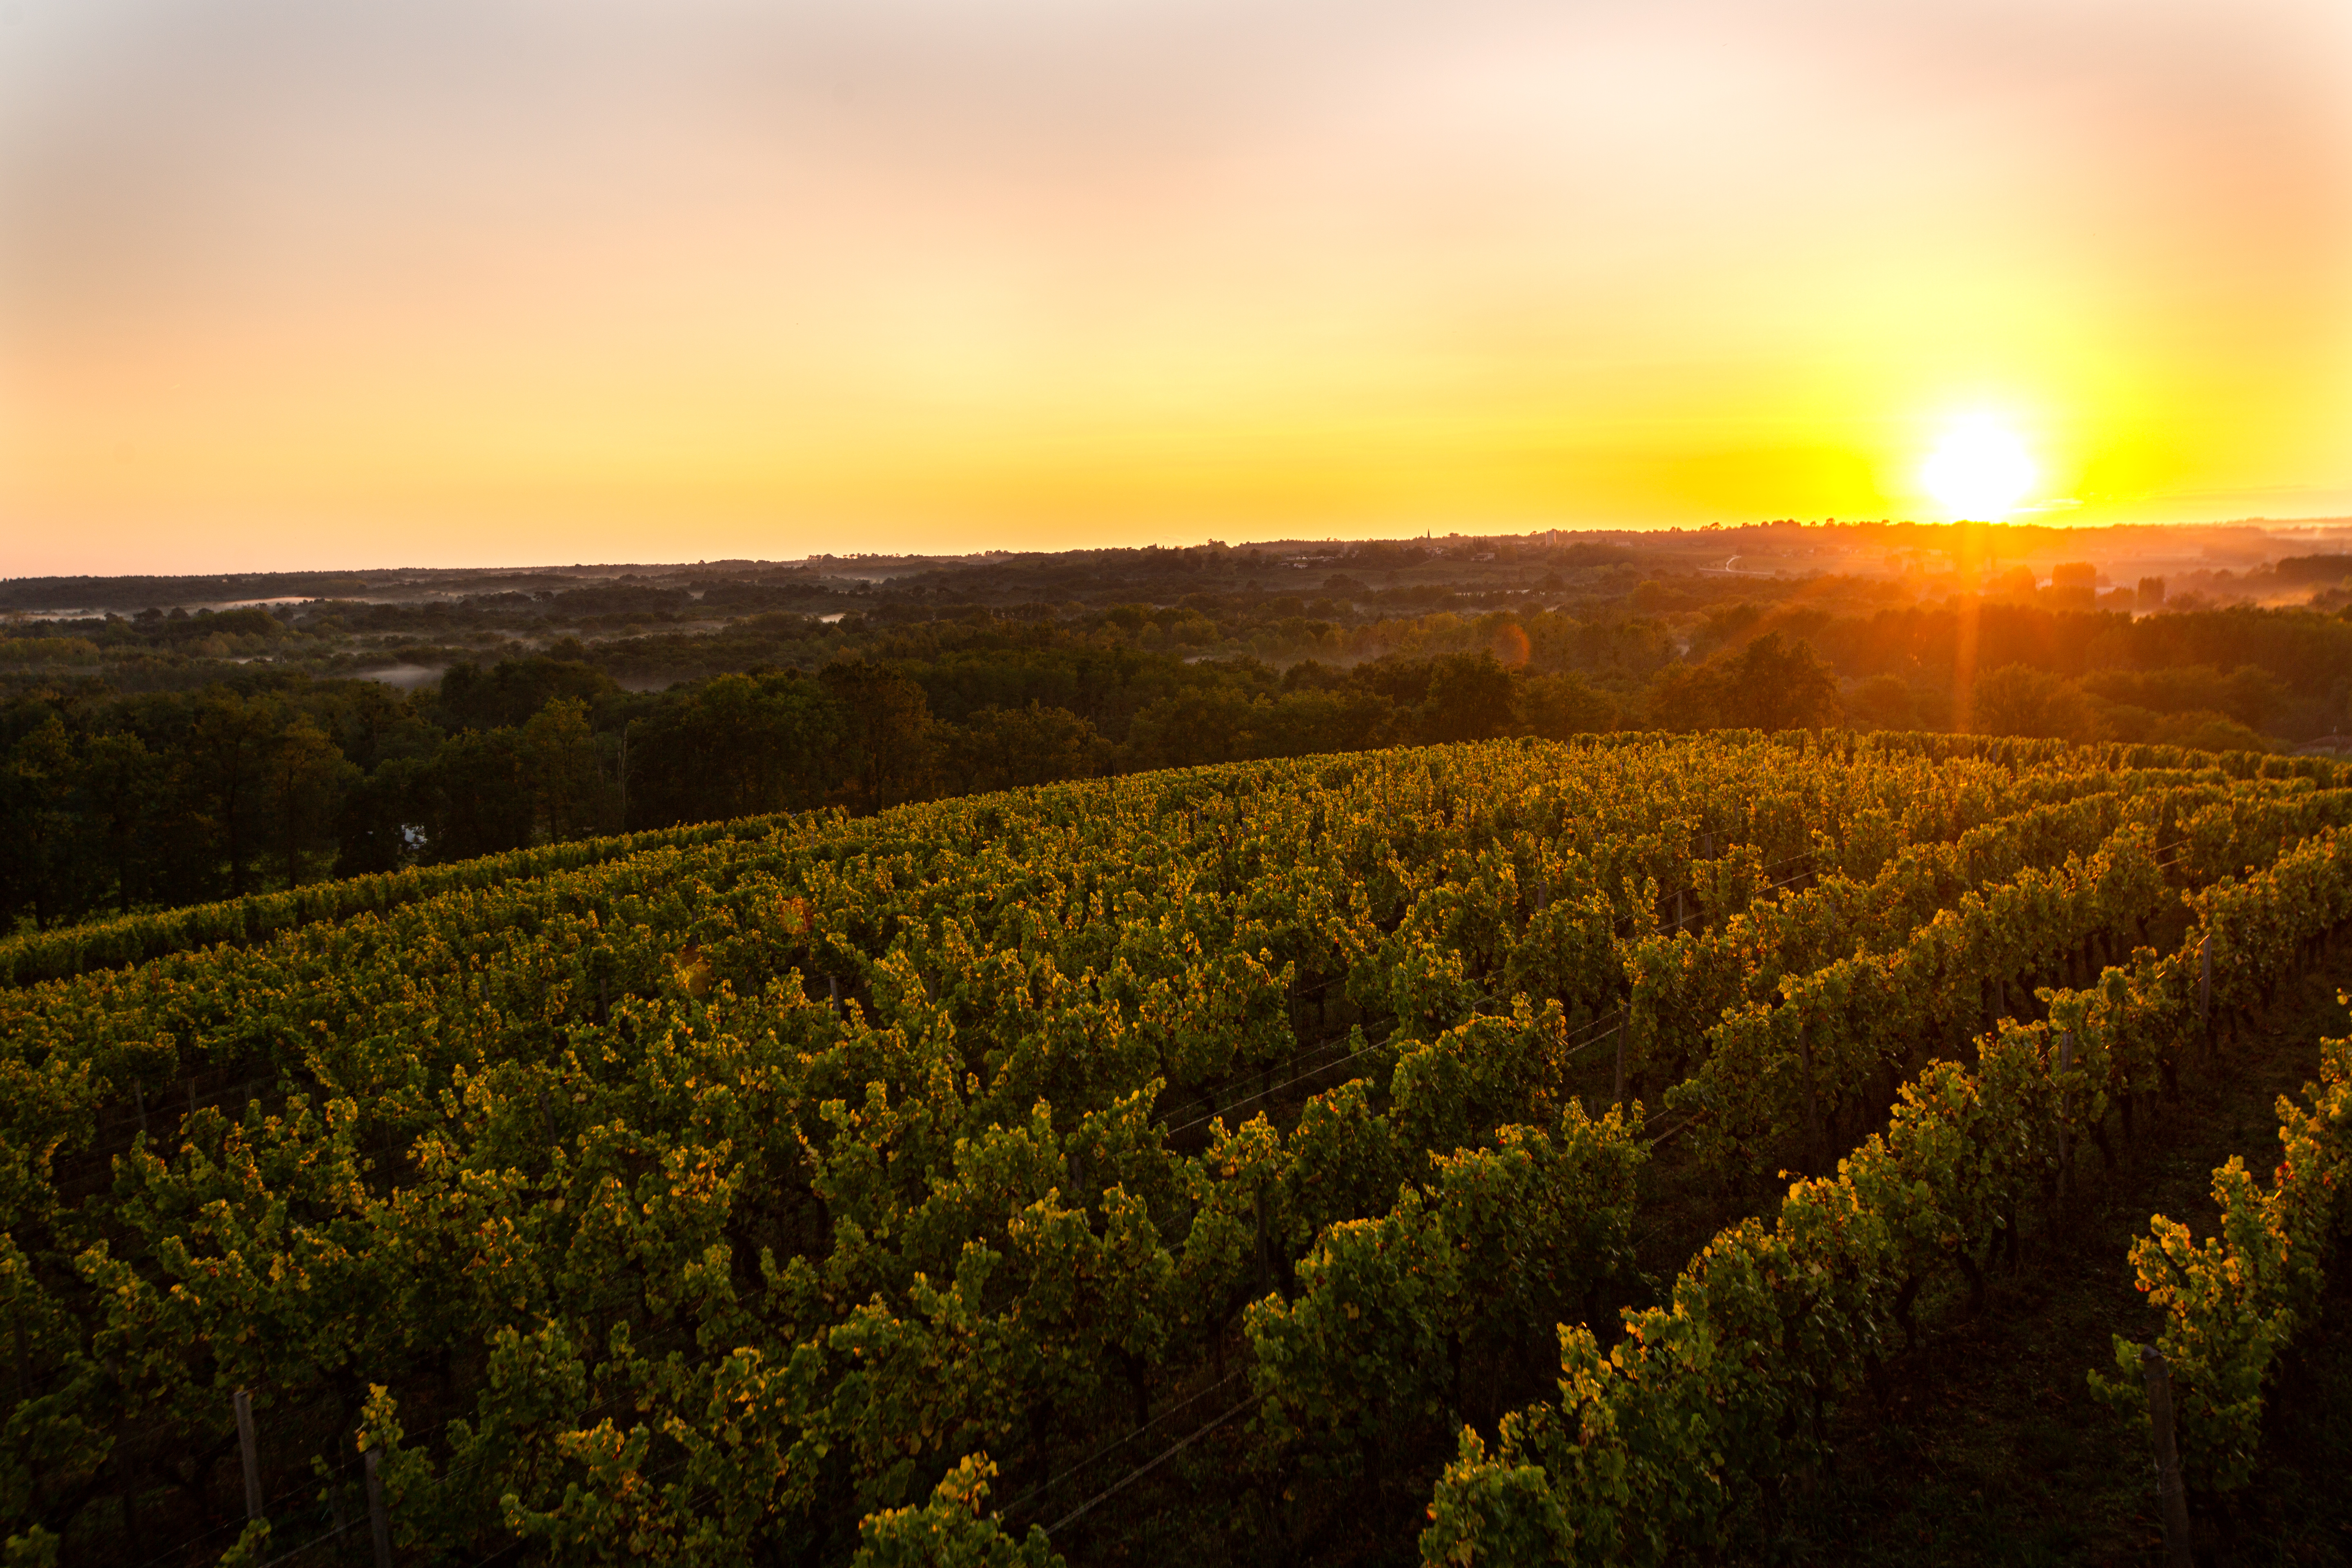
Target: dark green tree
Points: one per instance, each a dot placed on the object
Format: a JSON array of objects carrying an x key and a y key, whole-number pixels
[
  {"x": 886, "y": 740},
  {"x": 571, "y": 796},
  {"x": 1003, "y": 748},
  {"x": 476, "y": 795},
  {"x": 303, "y": 784},
  {"x": 41, "y": 868},
  {"x": 1770, "y": 684},
  {"x": 228, "y": 751}
]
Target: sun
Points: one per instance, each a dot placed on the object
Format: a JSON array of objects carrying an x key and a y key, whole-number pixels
[{"x": 1980, "y": 470}]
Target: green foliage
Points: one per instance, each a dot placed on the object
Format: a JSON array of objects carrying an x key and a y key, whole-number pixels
[
  {"x": 2232, "y": 1302},
  {"x": 1770, "y": 684},
  {"x": 951, "y": 1531},
  {"x": 1365, "y": 1360},
  {"x": 2018, "y": 700},
  {"x": 752, "y": 1191},
  {"x": 1662, "y": 1442}
]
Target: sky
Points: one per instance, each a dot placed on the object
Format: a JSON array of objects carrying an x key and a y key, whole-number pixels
[{"x": 318, "y": 283}]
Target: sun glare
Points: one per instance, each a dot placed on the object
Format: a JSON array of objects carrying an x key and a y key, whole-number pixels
[{"x": 1979, "y": 470}]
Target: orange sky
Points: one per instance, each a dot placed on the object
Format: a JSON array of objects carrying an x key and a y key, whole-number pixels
[{"x": 285, "y": 284}]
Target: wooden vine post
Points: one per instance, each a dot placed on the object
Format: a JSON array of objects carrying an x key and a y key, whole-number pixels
[
  {"x": 2205, "y": 985},
  {"x": 1815, "y": 1140},
  {"x": 2167, "y": 1457},
  {"x": 249, "y": 1450},
  {"x": 2065, "y": 1150},
  {"x": 378, "y": 1519}
]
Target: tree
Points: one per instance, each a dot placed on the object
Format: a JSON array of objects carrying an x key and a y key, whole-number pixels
[
  {"x": 1306, "y": 721},
  {"x": 887, "y": 741},
  {"x": 228, "y": 749},
  {"x": 1776, "y": 685},
  {"x": 1885, "y": 702},
  {"x": 120, "y": 779},
  {"x": 510, "y": 691},
  {"x": 477, "y": 796},
  {"x": 1683, "y": 697},
  {"x": 1558, "y": 705},
  {"x": 1469, "y": 698},
  {"x": 737, "y": 746},
  {"x": 1206, "y": 724},
  {"x": 569, "y": 793},
  {"x": 304, "y": 787},
  {"x": 2018, "y": 699},
  {"x": 39, "y": 863},
  {"x": 1003, "y": 748},
  {"x": 388, "y": 739},
  {"x": 1771, "y": 684},
  {"x": 373, "y": 832}
]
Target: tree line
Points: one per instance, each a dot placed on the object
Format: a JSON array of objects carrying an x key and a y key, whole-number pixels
[
  {"x": 110, "y": 803},
  {"x": 115, "y": 801}
]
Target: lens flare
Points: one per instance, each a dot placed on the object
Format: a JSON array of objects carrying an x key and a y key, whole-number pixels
[{"x": 1979, "y": 470}]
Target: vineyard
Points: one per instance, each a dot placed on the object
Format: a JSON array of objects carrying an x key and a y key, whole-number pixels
[{"x": 1272, "y": 1162}]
